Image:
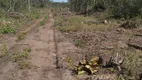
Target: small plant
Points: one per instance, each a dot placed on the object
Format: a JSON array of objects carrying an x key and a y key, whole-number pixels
[
  {"x": 42, "y": 22},
  {"x": 24, "y": 65},
  {"x": 79, "y": 43},
  {"x": 28, "y": 50},
  {"x": 120, "y": 77},
  {"x": 6, "y": 29},
  {"x": 61, "y": 29},
  {"x": 21, "y": 36},
  {"x": 4, "y": 50},
  {"x": 20, "y": 58},
  {"x": 70, "y": 62},
  {"x": 24, "y": 54}
]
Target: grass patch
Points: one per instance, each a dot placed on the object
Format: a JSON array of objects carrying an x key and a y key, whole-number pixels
[
  {"x": 4, "y": 51},
  {"x": 79, "y": 43},
  {"x": 132, "y": 64},
  {"x": 42, "y": 22},
  {"x": 9, "y": 25},
  {"x": 35, "y": 14},
  {"x": 7, "y": 29},
  {"x": 21, "y": 36},
  {"x": 68, "y": 29},
  {"x": 78, "y": 23},
  {"x": 24, "y": 65},
  {"x": 22, "y": 55},
  {"x": 70, "y": 24}
]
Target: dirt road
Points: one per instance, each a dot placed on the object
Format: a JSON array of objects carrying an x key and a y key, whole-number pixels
[
  {"x": 48, "y": 59},
  {"x": 49, "y": 52}
]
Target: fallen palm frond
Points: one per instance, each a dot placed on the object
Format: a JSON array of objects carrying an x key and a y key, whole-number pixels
[
  {"x": 88, "y": 67},
  {"x": 93, "y": 65}
]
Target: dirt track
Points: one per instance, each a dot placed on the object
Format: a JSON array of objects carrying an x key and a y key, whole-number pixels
[
  {"x": 48, "y": 59},
  {"x": 49, "y": 52}
]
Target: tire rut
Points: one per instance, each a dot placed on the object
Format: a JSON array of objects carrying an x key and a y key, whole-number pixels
[
  {"x": 44, "y": 54},
  {"x": 47, "y": 56}
]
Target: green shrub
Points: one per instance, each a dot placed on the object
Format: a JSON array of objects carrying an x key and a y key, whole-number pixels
[
  {"x": 6, "y": 29},
  {"x": 118, "y": 8}
]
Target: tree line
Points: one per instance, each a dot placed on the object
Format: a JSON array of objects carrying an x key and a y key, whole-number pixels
[
  {"x": 20, "y": 5},
  {"x": 116, "y": 8}
]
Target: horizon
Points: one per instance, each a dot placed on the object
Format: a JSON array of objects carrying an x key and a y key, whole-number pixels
[{"x": 59, "y": 0}]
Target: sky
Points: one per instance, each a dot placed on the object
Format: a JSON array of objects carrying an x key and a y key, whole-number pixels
[{"x": 60, "y": 0}]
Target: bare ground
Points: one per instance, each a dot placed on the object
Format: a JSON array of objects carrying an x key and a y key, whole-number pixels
[
  {"x": 47, "y": 59},
  {"x": 49, "y": 56}
]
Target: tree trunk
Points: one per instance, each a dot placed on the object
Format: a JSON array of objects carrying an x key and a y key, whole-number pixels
[
  {"x": 10, "y": 6},
  {"x": 13, "y": 7},
  {"x": 29, "y": 3},
  {"x": 87, "y": 8}
]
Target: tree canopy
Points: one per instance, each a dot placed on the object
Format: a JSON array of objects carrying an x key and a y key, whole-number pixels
[
  {"x": 18, "y": 5},
  {"x": 118, "y": 8}
]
